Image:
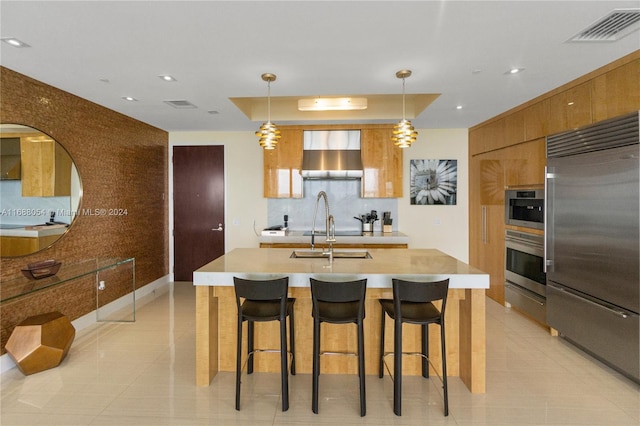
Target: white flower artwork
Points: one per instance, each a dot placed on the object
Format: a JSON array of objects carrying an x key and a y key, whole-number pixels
[{"x": 434, "y": 182}]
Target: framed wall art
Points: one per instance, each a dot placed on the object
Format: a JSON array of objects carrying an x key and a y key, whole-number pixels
[{"x": 434, "y": 182}]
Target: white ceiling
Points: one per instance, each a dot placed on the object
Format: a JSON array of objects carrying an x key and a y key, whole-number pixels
[{"x": 218, "y": 50}]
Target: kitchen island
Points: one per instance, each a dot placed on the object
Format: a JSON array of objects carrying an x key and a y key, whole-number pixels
[{"x": 216, "y": 310}]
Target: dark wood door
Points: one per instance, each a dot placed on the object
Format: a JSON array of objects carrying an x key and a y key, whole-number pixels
[{"x": 198, "y": 200}]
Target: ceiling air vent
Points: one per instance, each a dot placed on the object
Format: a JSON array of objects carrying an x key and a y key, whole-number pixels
[
  {"x": 612, "y": 27},
  {"x": 181, "y": 104}
]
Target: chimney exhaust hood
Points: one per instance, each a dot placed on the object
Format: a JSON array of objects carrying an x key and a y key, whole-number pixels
[{"x": 331, "y": 154}]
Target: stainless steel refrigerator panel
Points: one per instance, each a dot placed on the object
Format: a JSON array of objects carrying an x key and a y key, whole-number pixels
[
  {"x": 594, "y": 224},
  {"x": 610, "y": 334}
]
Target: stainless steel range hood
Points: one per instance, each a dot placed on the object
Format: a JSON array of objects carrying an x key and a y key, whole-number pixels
[{"x": 331, "y": 154}]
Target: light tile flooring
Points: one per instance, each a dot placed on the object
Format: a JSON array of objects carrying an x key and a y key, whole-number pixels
[{"x": 143, "y": 373}]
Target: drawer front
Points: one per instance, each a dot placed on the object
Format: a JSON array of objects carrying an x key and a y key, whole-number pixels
[
  {"x": 526, "y": 301},
  {"x": 611, "y": 335}
]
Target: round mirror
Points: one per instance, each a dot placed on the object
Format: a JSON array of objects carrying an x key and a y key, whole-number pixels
[{"x": 40, "y": 190}]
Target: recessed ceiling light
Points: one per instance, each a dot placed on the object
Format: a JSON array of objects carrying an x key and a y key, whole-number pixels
[
  {"x": 129, "y": 98},
  {"x": 332, "y": 104},
  {"x": 167, "y": 77},
  {"x": 12, "y": 41},
  {"x": 515, "y": 71},
  {"x": 458, "y": 106}
]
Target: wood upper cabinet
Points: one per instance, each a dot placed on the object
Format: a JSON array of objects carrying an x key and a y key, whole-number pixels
[
  {"x": 282, "y": 166},
  {"x": 382, "y": 162},
  {"x": 524, "y": 164},
  {"x": 46, "y": 168},
  {"x": 488, "y": 137},
  {"x": 536, "y": 120},
  {"x": 617, "y": 92},
  {"x": 381, "y": 159},
  {"x": 570, "y": 109}
]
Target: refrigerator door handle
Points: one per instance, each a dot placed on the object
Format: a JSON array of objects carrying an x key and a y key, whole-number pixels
[
  {"x": 616, "y": 312},
  {"x": 548, "y": 238}
]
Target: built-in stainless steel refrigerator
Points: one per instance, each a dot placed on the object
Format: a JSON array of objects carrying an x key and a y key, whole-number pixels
[{"x": 592, "y": 240}]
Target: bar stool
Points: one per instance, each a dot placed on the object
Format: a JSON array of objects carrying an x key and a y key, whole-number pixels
[
  {"x": 265, "y": 300},
  {"x": 338, "y": 303},
  {"x": 412, "y": 303}
]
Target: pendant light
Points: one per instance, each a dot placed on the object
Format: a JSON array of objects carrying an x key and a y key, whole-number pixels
[
  {"x": 268, "y": 133},
  {"x": 403, "y": 133}
]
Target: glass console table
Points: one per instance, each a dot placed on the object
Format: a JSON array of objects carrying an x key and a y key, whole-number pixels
[{"x": 105, "y": 272}]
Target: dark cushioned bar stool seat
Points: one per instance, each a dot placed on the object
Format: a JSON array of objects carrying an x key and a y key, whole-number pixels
[
  {"x": 338, "y": 303},
  {"x": 412, "y": 303},
  {"x": 265, "y": 300}
]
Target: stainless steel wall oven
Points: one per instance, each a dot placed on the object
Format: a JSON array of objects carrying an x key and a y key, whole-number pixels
[
  {"x": 524, "y": 207},
  {"x": 525, "y": 277}
]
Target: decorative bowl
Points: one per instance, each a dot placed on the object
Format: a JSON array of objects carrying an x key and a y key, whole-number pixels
[{"x": 42, "y": 269}]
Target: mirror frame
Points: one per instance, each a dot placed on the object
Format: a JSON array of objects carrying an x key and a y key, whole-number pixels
[{"x": 21, "y": 241}]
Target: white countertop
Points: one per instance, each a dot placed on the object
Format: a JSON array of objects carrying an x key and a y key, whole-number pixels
[
  {"x": 385, "y": 264},
  {"x": 297, "y": 237},
  {"x": 34, "y": 231}
]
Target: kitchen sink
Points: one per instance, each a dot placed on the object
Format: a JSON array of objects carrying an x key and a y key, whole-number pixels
[{"x": 318, "y": 254}]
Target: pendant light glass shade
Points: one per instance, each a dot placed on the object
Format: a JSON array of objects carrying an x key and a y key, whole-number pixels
[
  {"x": 404, "y": 133},
  {"x": 268, "y": 133}
]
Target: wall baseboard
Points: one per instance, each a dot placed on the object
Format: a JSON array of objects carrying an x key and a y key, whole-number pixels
[{"x": 143, "y": 295}]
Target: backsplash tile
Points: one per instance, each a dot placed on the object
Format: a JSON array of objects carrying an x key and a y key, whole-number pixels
[{"x": 344, "y": 203}]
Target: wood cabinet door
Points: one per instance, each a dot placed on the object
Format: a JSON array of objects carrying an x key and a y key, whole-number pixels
[
  {"x": 46, "y": 168},
  {"x": 536, "y": 120},
  {"x": 282, "y": 166},
  {"x": 570, "y": 109},
  {"x": 617, "y": 92},
  {"x": 38, "y": 167},
  {"x": 382, "y": 163},
  {"x": 524, "y": 164},
  {"x": 62, "y": 178},
  {"x": 486, "y": 219}
]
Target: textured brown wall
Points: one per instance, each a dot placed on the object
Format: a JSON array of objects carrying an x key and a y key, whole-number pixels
[{"x": 122, "y": 164}]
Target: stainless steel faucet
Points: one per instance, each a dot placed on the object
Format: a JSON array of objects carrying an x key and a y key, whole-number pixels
[{"x": 330, "y": 226}]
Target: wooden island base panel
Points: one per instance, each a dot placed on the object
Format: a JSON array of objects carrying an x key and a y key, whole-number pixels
[{"x": 465, "y": 318}]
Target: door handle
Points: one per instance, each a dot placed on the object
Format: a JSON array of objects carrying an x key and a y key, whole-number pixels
[{"x": 219, "y": 228}]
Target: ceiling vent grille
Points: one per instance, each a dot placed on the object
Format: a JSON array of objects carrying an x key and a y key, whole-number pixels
[
  {"x": 181, "y": 104},
  {"x": 612, "y": 27}
]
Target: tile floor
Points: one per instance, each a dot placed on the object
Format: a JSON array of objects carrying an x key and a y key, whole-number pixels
[{"x": 142, "y": 373}]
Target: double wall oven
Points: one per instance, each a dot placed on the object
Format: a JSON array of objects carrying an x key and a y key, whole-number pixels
[{"x": 525, "y": 277}]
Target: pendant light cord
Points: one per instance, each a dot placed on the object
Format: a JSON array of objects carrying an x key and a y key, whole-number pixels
[
  {"x": 269, "y": 101},
  {"x": 403, "y": 102}
]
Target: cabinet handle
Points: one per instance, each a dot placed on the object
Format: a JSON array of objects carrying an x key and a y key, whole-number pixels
[{"x": 484, "y": 224}]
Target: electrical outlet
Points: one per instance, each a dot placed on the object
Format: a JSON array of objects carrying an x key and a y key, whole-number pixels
[{"x": 101, "y": 285}]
